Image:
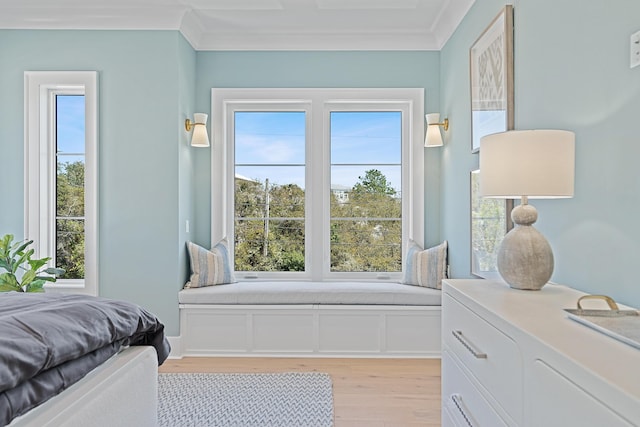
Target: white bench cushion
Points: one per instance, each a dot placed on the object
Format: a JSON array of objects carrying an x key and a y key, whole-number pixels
[{"x": 280, "y": 292}]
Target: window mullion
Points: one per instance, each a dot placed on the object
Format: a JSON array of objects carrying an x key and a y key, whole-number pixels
[
  {"x": 316, "y": 181},
  {"x": 48, "y": 180}
]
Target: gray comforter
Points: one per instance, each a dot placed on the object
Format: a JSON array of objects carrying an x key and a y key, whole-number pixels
[{"x": 50, "y": 341}]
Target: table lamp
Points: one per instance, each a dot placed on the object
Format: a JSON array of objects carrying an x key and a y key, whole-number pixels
[{"x": 527, "y": 164}]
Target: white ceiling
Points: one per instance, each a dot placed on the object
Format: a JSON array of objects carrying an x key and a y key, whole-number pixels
[{"x": 257, "y": 24}]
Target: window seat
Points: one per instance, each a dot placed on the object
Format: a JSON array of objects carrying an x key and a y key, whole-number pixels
[
  {"x": 310, "y": 319},
  {"x": 281, "y": 292}
]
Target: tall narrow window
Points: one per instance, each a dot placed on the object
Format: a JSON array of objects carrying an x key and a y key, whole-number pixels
[
  {"x": 70, "y": 168},
  {"x": 61, "y": 178}
]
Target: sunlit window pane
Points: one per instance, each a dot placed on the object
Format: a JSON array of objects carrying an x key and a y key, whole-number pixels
[
  {"x": 269, "y": 196},
  {"x": 366, "y": 192},
  {"x": 70, "y": 247},
  {"x": 70, "y": 184},
  {"x": 274, "y": 137}
]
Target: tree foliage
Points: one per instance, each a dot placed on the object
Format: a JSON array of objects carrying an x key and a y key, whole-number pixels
[
  {"x": 373, "y": 182},
  {"x": 269, "y": 227},
  {"x": 69, "y": 222},
  {"x": 365, "y": 231},
  {"x": 488, "y": 227}
]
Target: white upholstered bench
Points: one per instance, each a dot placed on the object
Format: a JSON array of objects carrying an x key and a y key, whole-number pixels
[{"x": 333, "y": 319}]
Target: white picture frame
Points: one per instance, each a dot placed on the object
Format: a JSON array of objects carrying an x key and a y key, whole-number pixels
[{"x": 491, "y": 74}]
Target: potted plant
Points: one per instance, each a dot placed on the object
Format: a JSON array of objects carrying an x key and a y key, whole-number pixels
[{"x": 15, "y": 258}]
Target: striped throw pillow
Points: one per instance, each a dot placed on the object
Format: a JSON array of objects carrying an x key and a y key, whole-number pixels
[
  {"x": 425, "y": 267},
  {"x": 209, "y": 267}
]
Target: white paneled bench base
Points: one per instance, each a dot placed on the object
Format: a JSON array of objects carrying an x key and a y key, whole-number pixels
[{"x": 315, "y": 319}]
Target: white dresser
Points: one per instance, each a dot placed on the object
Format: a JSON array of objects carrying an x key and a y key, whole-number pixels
[{"x": 513, "y": 358}]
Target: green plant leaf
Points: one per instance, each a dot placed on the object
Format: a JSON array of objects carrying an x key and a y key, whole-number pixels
[
  {"x": 8, "y": 278},
  {"x": 35, "y": 286},
  {"x": 8, "y": 282},
  {"x": 21, "y": 247},
  {"x": 28, "y": 277},
  {"x": 13, "y": 256},
  {"x": 25, "y": 256},
  {"x": 5, "y": 243},
  {"x": 6, "y": 287},
  {"x": 35, "y": 264},
  {"x": 55, "y": 271}
]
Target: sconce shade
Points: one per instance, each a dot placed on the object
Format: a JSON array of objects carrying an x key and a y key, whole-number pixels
[
  {"x": 539, "y": 164},
  {"x": 433, "y": 138},
  {"x": 200, "y": 137}
]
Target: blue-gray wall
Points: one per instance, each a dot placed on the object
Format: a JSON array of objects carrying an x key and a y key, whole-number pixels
[
  {"x": 146, "y": 88},
  {"x": 151, "y": 181},
  {"x": 571, "y": 72}
]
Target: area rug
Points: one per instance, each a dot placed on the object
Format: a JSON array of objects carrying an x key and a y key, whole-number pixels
[{"x": 294, "y": 399}]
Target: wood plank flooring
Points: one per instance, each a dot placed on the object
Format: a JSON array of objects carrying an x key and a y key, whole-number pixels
[{"x": 366, "y": 392}]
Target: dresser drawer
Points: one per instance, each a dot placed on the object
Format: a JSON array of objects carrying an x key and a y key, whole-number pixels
[
  {"x": 492, "y": 357},
  {"x": 557, "y": 401},
  {"x": 462, "y": 403}
]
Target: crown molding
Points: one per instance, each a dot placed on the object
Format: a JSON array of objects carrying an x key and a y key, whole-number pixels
[
  {"x": 450, "y": 17},
  {"x": 203, "y": 37},
  {"x": 310, "y": 41}
]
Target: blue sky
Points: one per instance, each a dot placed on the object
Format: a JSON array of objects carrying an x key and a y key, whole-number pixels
[
  {"x": 70, "y": 127},
  {"x": 359, "y": 141}
]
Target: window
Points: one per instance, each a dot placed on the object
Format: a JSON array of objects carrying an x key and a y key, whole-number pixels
[
  {"x": 317, "y": 184},
  {"x": 61, "y": 174},
  {"x": 366, "y": 219},
  {"x": 269, "y": 195}
]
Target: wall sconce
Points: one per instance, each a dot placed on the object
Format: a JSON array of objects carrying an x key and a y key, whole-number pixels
[
  {"x": 200, "y": 138},
  {"x": 433, "y": 138}
]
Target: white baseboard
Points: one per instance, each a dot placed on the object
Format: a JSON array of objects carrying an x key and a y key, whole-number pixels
[
  {"x": 176, "y": 347},
  {"x": 309, "y": 331}
]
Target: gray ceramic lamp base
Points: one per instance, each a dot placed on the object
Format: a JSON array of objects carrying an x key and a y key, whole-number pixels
[{"x": 525, "y": 259}]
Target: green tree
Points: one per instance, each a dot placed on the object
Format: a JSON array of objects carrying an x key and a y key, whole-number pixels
[
  {"x": 373, "y": 182},
  {"x": 70, "y": 230},
  {"x": 366, "y": 231},
  {"x": 269, "y": 227},
  {"x": 488, "y": 227}
]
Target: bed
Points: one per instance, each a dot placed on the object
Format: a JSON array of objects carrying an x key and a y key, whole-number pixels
[{"x": 59, "y": 349}]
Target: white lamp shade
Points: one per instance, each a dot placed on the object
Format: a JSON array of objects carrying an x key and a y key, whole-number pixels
[
  {"x": 534, "y": 163},
  {"x": 200, "y": 137},
  {"x": 433, "y": 138}
]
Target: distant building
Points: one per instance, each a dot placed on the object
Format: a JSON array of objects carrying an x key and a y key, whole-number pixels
[
  {"x": 239, "y": 177},
  {"x": 341, "y": 192}
]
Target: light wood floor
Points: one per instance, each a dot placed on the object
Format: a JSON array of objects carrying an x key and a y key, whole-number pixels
[{"x": 366, "y": 392}]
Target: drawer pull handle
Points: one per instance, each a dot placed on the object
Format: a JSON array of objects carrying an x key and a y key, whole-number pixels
[
  {"x": 477, "y": 354},
  {"x": 457, "y": 400}
]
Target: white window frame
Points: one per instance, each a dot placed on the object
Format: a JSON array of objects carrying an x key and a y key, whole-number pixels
[
  {"x": 318, "y": 103},
  {"x": 41, "y": 168}
]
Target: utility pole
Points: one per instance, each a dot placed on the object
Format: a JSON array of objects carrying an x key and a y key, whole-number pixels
[{"x": 265, "y": 246}]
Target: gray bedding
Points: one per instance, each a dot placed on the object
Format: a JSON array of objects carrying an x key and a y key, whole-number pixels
[{"x": 49, "y": 341}]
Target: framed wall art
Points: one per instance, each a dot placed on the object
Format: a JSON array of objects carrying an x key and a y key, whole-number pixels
[
  {"x": 491, "y": 72},
  {"x": 490, "y": 221}
]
